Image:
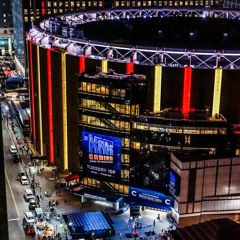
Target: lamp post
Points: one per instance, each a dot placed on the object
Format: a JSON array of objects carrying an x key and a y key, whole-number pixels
[{"x": 56, "y": 230}]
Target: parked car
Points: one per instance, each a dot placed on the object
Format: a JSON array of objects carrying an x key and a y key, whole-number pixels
[
  {"x": 13, "y": 149},
  {"x": 32, "y": 204},
  {"x": 24, "y": 180},
  {"x": 28, "y": 223},
  {"x": 28, "y": 194},
  {"x": 28, "y": 218},
  {"x": 20, "y": 175},
  {"x": 16, "y": 158}
]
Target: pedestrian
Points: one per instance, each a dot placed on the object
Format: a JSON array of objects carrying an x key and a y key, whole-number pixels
[
  {"x": 65, "y": 200},
  {"x": 153, "y": 223},
  {"x": 49, "y": 203},
  {"x": 58, "y": 192},
  {"x": 57, "y": 202}
]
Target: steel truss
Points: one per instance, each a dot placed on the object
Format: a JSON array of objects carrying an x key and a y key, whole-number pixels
[{"x": 197, "y": 58}]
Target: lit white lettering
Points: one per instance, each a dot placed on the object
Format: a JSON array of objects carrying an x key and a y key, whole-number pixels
[{"x": 134, "y": 193}]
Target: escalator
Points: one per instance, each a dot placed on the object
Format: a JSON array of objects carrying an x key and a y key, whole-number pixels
[
  {"x": 108, "y": 107},
  {"x": 107, "y": 187},
  {"x": 107, "y": 123}
]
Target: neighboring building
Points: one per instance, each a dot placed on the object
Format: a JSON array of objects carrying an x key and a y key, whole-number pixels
[
  {"x": 231, "y": 4},
  {"x": 151, "y": 121},
  {"x": 169, "y": 3},
  {"x": 5, "y": 14},
  {"x": 6, "y": 31}
]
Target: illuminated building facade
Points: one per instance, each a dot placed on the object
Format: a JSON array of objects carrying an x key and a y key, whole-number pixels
[
  {"x": 231, "y": 4},
  {"x": 25, "y": 12},
  {"x": 139, "y": 121},
  {"x": 161, "y": 3},
  {"x": 6, "y": 14}
]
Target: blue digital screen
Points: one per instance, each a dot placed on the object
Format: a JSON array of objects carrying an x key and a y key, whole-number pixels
[
  {"x": 151, "y": 198},
  {"x": 174, "y": 183},
  {"x": 101, "y": 155}
]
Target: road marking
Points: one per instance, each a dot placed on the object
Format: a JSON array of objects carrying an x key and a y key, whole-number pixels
[
  {"x": 12, "y": 194},
  {"x": 14, "y": 219}
]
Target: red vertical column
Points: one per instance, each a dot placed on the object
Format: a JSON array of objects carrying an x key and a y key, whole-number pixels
[
  {"x": 130, "y": 67},
  {"x": 33, "y": 121},
  {"x": 43, "y": 10},
  {"x": 187, "y": 90},
  {"x": 50, "y": 108},
  {"x": 81, "y": 64}
]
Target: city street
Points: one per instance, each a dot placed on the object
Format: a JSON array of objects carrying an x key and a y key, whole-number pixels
[{"x": 68, "y": 203}]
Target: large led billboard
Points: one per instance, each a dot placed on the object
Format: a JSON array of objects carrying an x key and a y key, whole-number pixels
[
  {"x": 101, "y": 155},
  {"x": 151, "y": 198},
  {"x": 174, "y": 183}
]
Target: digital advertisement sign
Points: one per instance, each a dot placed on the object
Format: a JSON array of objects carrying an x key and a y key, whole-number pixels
[
  {"x": 101, "y": 155},
  {"x": 174, "y": 183},
  {"x": 151, "y": 198}
]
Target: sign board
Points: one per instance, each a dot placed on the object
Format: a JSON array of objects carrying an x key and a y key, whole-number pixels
[
  {"x": 101, "y": 155},
  {"x": 151, "y": 198}
]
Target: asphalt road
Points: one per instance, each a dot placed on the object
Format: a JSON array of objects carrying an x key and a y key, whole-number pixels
[{"x": 16, "y": 204}]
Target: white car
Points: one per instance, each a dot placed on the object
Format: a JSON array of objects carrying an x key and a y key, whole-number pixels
[
  {"x": 28, "y": 219},
  {"x": 13, "y": 149},
  {"x": 24, "y": 180}
]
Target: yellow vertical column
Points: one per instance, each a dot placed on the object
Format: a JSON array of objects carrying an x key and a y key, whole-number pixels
[
  {"x": 157, "y": 88},
  {"x": 39, "y": 103},
  {"x": 64, "y": 111},
  {"x": 105, "y": 65},
  {"x": 217, "y": 91}
]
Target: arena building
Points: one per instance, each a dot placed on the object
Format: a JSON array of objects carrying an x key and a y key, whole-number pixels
[{"x": 142, "y": 103}]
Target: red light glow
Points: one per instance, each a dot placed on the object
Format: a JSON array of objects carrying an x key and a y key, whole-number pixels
[
  {"x": 50, "y": 115},
  {"x": 130, "y": 67},
  {"x": 187, "y": 90},
  {"x": 81, "y": 64},
  {"x": 32, "y": 92}
]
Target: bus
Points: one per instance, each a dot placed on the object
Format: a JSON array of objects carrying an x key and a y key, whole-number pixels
[{"x": 22, "y": 116}]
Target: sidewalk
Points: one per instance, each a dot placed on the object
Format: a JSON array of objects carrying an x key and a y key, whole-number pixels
[{"x": 122, "y": 223}]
